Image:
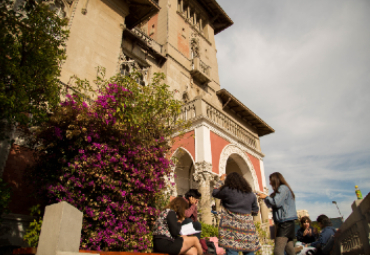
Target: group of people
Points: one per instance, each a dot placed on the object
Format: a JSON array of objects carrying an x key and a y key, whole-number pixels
[{"x": 237, "y": 232}]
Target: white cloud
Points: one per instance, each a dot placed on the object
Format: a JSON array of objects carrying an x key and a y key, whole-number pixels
[{"x": 304, "y": 67}]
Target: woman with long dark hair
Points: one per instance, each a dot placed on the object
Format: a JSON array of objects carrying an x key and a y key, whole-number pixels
[
  {"x": 282, "y": 202},
  {"x": 236, "y": 230},
  {"x": 166, "y": 231},
  {"x": 306, "y": 233}
]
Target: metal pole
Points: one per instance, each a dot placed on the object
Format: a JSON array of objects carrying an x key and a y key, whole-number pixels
[{"x": 335, "y": 202}]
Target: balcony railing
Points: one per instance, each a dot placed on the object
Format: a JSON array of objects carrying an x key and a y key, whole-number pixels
[
  {"x": 201, "y": 109},
  {"x": 146, "y": 38},
  {"x": 200, "y": 71},
  {"x": 353, "y": 236}
]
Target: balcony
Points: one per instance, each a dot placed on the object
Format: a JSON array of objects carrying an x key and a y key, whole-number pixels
[
  {"x": 199, "y": 109},
  {"x": 200, "y": 71}
]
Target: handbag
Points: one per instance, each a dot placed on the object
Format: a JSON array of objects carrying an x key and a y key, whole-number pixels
[{"x": 208, "y": 247}]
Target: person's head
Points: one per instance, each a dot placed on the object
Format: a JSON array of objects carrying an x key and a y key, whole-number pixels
[
  {"x": 323, "y": 221},
  {"x": 235, "y": 181},
  {"x": 277, "y": 179},
  {"x": 305, "y": 222},
  {"x": 179, "y": 205},
  {"x": 193, "y": 193}
]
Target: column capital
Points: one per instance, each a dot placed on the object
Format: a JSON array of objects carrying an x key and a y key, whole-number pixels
[{"x": 203, "y": 172}]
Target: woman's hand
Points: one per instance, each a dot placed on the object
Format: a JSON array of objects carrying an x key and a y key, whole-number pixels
[
  {"x": 307, "y": 231},
  {"x": 223, "y": 177},
  {"x": 193, "y": 201},
  {"x": 261, "y": 195}
]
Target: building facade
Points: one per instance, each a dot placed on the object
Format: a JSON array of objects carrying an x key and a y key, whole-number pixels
[{"x": 176, "y": 37}]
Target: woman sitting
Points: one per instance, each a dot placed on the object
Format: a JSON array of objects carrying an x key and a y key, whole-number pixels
[
  {"x": 306, "y": 233},
  {"x": 325, "y": 242},
  {"x": 166, "y": 231},
  {"x": 236, "y": 230}
]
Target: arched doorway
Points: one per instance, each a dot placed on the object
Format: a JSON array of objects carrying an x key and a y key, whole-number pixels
[
  {"x": 183, "y": 171},
  {"x": 235, "y": 163},
  {"x": 234, "y": 159}
]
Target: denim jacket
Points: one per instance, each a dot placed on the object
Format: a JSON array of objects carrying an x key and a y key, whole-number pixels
[
  {"x": 283, "y": 205},
  {"x": 324, "y": 237}
]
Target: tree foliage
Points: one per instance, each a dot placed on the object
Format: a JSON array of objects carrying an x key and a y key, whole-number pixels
[
  {"x": 32, "y": 40},
  {"x": 108, "y": 159}
]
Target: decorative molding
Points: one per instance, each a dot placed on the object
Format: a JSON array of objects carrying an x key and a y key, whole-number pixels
[
  {"x": 182, "y": 149},
  {"x": 74, "y": 8},
  {"x": 234, "y": 149},
  {"x": 172, "y": 190}
]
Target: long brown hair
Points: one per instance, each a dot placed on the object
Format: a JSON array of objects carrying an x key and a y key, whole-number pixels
[
  {"x": 276, "y": 180},
  {"x": 235, "y": 181},
  {"x": 179, "y": 205}
]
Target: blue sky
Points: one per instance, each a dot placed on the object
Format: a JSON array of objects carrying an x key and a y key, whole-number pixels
[{"x": 304, "y": 68}]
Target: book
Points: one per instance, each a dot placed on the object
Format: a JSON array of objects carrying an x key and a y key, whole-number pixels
[{"x": 188, "y": 229}]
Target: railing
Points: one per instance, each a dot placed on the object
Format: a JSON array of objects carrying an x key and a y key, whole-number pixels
[
  {"x": 354, "y": 235},
  {"x": 188, "y": 112},
  {"x": 200, "y": 108},
  {"x": 206, "y": 69},
  {"x": 231, "y": 126},
  {"x": 146, "y": 38},
  {"x": 200, "y": 71}
]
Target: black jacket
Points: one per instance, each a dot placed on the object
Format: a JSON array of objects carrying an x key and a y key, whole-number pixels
[{"x": 306, "y": 238}]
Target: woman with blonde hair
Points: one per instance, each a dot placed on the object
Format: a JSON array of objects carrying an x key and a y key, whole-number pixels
[{"x": 166, "y": 231}]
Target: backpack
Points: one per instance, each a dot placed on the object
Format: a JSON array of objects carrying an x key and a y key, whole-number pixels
[{"x": 208, "y": 247}]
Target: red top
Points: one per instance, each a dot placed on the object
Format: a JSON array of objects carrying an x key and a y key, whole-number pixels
[{"x": 192, "y": 212}]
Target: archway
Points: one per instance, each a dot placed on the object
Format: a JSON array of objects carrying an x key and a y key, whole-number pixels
[
  {"x": 183, "y": 172},
  {"x": 234, "y": 159},
  {"x": 235, "y": 163}
]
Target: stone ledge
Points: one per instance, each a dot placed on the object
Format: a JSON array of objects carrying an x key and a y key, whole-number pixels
[{"x": 32, "y": 251}]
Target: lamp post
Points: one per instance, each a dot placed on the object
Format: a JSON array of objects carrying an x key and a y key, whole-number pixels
[{"x": 335, "y": 202}]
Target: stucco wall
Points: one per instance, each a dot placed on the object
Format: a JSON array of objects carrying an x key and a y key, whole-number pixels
[
  {"x": 95, "y": 39},
  {"x": 185, "y": 141}
]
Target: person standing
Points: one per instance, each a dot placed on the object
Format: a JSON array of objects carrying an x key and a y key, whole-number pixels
[
  {"x": 166, "y": 231},
  {"x": 282, "y": 202},
  {"x": 236, "y": 229},
  {"x": 306, "y": 234}
]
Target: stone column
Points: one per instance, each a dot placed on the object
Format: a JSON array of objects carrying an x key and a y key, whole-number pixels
[{"x": 205, "y": 179}]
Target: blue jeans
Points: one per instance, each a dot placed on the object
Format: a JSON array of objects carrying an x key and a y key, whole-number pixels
[{"x": 233, "y": 252}]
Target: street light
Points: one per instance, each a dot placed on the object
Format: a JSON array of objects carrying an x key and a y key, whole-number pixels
[{"x": 335, "y": 202}]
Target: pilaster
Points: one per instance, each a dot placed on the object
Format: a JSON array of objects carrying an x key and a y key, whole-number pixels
[
  {"x": 206, "y": 179},
  {"x": 203, "y": 152}
]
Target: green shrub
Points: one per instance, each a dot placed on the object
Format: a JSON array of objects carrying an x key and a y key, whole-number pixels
[
  {"x": 33, "y": 231},
  {"x": 208, "y": 230},
  {"x": 4, "y": 197}
]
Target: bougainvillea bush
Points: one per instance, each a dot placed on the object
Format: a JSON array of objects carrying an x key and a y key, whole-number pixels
[{"x": 108, "y": 159}]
